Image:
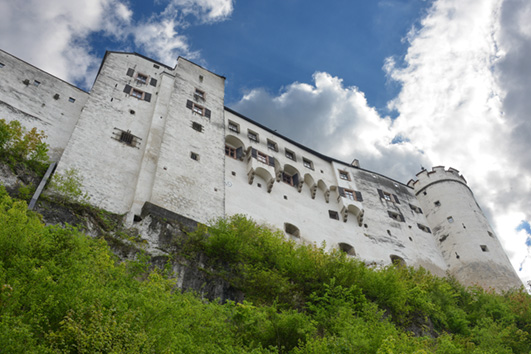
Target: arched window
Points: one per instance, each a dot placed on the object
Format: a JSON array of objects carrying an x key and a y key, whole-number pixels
[
  {"x": 397, "y": 261},
  {"x": 292, "y": 230},
  {"x": 348, "y": 249}
]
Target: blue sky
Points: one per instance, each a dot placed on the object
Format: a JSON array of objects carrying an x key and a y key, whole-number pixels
[{"x": 397, "y": 84}]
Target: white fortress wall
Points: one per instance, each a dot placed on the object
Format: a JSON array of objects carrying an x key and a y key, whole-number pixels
[
  {"x": 108, "y": 142},
  {"x": 38, "y": 99},
  {"x": 190, "y": 173}
]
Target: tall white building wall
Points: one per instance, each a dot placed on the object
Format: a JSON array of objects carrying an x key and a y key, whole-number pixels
[
  {"x": 39, "y": 100},
  {"x": 467, "y": 242}
]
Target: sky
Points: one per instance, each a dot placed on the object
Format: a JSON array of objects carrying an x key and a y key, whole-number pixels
[{"x": 396, "y": 84}]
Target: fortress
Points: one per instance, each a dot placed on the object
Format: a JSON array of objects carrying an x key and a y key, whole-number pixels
[{"x": 150, "y": 133}]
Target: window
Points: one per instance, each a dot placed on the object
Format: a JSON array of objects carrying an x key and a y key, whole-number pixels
[
  {"x": 252, "y": 136},
  {"x": 200, "y": 78},
  {"x": 126, "y": 137},
  {"x": 198, "y": 109},
  {"x": 450, "y": 219},
  {"x": 141, "y": 95},
  {"x": 348, "y": 249},
  {"x": 388, "y": 196},
  {"x": 307, "y": 163},
  {"x": 292, "y": 230},
  {"x": 261, "y": 157},
  {"x": 290, "y": 155},
  {"x": 286, "y": 178},
  {"x": 1, "y": 65},
  {"x": 197, "y": 126},
  {"x": 36, "y": 83},
  {"x": 271, "y": 145},
  {"x": 415, "y": 208},
  {"x": 194, "y": 156},
  {"x": 396, "y": 216},
  {"x": 156, "y": 66},
  {"x": 137, "y": 93},
  {"x": 230, "y": 151},
  {"x": 71, "y": 99},
  {"x": 199, "y": 94},
  {"x": 141, "y": 78},
  {"x": 484, "y": 248},
  {"x": 424, "y": 228},
  {"x": 234, "y": 127},
  {"x": 333, "y": 214},
  {"x": 437, "y": 203},
  {"x": 350, "y": 194},
  {"x": 344, "y": 175}
]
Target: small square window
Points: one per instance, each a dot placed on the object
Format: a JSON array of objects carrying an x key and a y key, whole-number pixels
[
  {"x": 197, "y": 126},
  {"x": 156, "y": 66},
  {"x": 36, "y": 83},
  {"x": 437, "y": 203},
  {"x": 200, "y": 78},
  {"x": 450, "y": 219},
  {"x": 307, "y": 163},
  {"x": 252, "y": 136},
  {"x": 415, "y": 208},
  {"x": 484, "y": 248},
  {"x": 71, "y": 99},
  {"x": 194, "y": 156},
  {"x": 387, "y": 196},
  {"x": 234, "y": 127},
  {"x": 141, "y": 78},
  {"x": 333, "y": 214},
  {"x": 199, "y": 94},
  {"x": 271, "y": 145},
  {"x": 395, "y": 216},
  {"x": 344, "y": 175},
  {"x": 290, "y": 155}
]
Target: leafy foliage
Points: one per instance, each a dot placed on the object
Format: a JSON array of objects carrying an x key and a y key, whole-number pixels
[
  {"x": 63, "y": 292},
  {"x": 68, "y": 187},
  {"x": 20, "y": 146}
]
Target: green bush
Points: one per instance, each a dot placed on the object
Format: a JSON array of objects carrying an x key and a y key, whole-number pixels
[{"x": 67, "y": 187}]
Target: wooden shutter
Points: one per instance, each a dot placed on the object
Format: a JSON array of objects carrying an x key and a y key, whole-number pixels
[
  {"x": 253, "y": 153},
  {"x": 239, "y": 153},
  {"x": 295, "y": 179},
  {"x": 153, "y": 82},
  {"x": 380, "y": 193},
  {"x": 130, "y": 72},
  {"x": 147, "y": 97},
  {"x": 127, "y": 89},
  {"x": 271, "y": 160},
  {"x": 359, "y": 198},
  {"x": 189, "y": 104},
  {"x": 420, "y": 210},
  {"x": 401, "y": 217},
  {"x": 396, "y": 199},
  {"x": 207, "y": 113},
  {"x": 341, "y": 191}
]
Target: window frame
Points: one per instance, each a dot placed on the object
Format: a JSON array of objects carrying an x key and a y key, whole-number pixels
[
  {"x": 307, "y": 163},
  {"x": 344, "y": 175},
  {"x": 197, "y": 127},
  {"x": 233, "y": 127},
  {"x": 332, "y": 214},
  {"x": 261, "y": 157},
  {"x": 271, "y": 145},
  {"x": 287, "y": 178},
  {"x": 253, "y": 136},
  {"x": 231, "y": 152},
  {"x": 199, "y": 94},
  {"x": 290, "y": 155},
  {"x": 141, "y": 78}
]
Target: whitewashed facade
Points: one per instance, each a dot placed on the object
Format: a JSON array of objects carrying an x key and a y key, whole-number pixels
[{"x": 147, "y": 132}]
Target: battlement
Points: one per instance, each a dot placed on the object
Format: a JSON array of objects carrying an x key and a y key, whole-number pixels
[{"x": 437, "y": 173}]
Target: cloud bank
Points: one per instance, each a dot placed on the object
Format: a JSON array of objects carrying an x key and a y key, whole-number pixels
[
  {"x": 464, "y": 103},
  {"x": 55, "y": 34}
]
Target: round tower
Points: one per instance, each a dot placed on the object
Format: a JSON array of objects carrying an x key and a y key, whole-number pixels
[{"x": 468, "y": 244}]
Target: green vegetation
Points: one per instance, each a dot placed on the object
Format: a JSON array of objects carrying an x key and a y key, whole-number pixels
[
  {"x": 67, "y": 187},
  {"x": 22, "y": 148},
  {"x": 63, "y": 292}
]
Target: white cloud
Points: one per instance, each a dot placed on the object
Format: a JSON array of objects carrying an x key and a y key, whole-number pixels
[
  {"x": 464, "y": 103},
  {"x": 54, "y": 34}
]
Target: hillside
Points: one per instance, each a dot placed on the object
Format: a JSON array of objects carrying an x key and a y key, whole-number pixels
[{"x": 167, "y": 285}]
